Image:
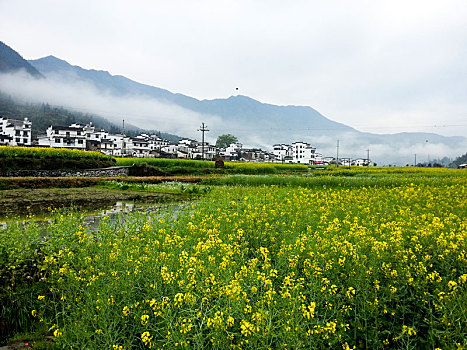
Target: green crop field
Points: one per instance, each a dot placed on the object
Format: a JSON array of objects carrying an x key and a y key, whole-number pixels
[
  {"x": 365, "y": 260},
  {"x": 187, "y": 166},
  {"x": 14, "y": 158}
]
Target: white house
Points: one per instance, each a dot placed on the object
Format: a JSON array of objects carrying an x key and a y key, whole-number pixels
[
  {"x": 319, "y": 160},
  {"x": 114, "y": 145},
  {"x": 72, "y": 136},
  {"x": 303, "y": 153},
  {"x": 361, "y": 162},
  {"x": 282, "y": 153},
  {"x": 155, "y": 142},
  {"x": 138, "y": 147},
  {"x": 345, "y": 161},
  {"x": 97, "y": 140},
  {"x": 170, "y": 150},
  {"x": 233, "y": 152},
  {"x": 210, "y": 152},
  {"x": 15, "y": 132}
]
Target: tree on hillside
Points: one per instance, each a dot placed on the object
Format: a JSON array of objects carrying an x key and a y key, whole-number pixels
[
  {"x": 458, "y": 161},
  {"x": 225, "y": 140}
]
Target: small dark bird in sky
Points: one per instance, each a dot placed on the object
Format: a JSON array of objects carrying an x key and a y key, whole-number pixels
[{"x": 236, "y": 88}]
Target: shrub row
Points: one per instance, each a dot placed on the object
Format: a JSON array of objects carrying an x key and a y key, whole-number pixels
[
  {"x": 17, "y": 158},
  {"x": 41, "y": 152},
  {"x": 161, "y": 166},
  {"x": 166, "y": 163}
]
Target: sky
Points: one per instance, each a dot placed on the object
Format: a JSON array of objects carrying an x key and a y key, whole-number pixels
[{"x": 378, "y": 66}]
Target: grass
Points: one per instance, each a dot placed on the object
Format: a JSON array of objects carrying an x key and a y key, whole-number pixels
[
  {"x": 257, "y": 262},
  {"x": 174, "y": 187}
]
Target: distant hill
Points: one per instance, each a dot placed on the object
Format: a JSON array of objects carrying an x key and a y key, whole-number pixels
[
  {"x": 103, "y": 80},
  {"x": 254, "y": 123},
  {"x": 234, "y": 110},
  {"x": 259, "y": 124},
  {"x": 43, "y": 115},
  {"x": 11, "y": 61}
]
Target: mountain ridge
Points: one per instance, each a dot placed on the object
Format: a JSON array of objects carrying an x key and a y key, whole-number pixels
[
  {"x": 12, "y": 61},
  {"x": 237, "y": 108},
  {"x": 255, "y": 123},
  {"x": 262, "y": 124}
]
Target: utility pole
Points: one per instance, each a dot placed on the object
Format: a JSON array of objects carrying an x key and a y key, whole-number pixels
[
  {"x": 203, "y": 128},
  {"x": 368, "y": 157},
  {"x": 428, "y": 156},
  {"x": 415, "y": 162},
  {"x": 123, "y": 138},
  {"x": 337, "y": 155}
]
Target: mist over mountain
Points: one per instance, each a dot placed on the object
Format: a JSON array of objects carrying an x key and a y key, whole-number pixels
[
  {"x": 238, "y": 109},
  {"x": 43, "y": 115},
  {"x": 256, "y": 124}
]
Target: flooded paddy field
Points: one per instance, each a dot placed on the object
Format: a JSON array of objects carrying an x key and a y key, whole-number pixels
[{"x": 40, "y": 202}]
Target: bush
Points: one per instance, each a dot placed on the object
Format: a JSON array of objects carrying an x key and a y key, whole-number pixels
[{"x": 143, "y": 169}]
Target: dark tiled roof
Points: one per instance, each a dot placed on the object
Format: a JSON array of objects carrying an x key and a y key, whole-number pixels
[
  {"x": 70, "y": 128},
  {"x": 14, "y": 122}
]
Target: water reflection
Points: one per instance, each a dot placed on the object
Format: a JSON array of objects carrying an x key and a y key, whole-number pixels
[{"x": 92, "y": 219}]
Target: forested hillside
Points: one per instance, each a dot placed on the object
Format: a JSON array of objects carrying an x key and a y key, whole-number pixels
[
  {"x": 459, "y": 160},
  {"x": 43, "y": 115}
]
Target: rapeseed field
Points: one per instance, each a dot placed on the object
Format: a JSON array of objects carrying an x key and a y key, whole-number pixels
[{"x": 263, "y": 267}]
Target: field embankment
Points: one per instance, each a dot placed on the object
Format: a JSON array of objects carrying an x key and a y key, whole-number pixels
[{"x": 8, "y": 183}]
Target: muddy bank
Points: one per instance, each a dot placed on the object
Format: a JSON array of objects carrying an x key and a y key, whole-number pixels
[
  {"x": 34, "y": 201},
  {"x": 9, "y": 183}
]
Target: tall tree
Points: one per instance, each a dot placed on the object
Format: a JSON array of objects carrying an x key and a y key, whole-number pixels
[{"x": 225, "y": 140}]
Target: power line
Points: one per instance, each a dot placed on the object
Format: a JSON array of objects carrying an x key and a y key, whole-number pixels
[{"x": 337, "y": 154}]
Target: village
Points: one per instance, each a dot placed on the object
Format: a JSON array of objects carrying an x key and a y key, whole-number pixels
[{"x": 75, "y": 136}]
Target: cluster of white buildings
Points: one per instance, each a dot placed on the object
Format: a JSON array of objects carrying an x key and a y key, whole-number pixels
[
  {"x": 87, "y": 137},
  {"x": 18, "y": 133},
  {"x": 15, "y": 132},
  {"x": 304, "y": 153}
]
